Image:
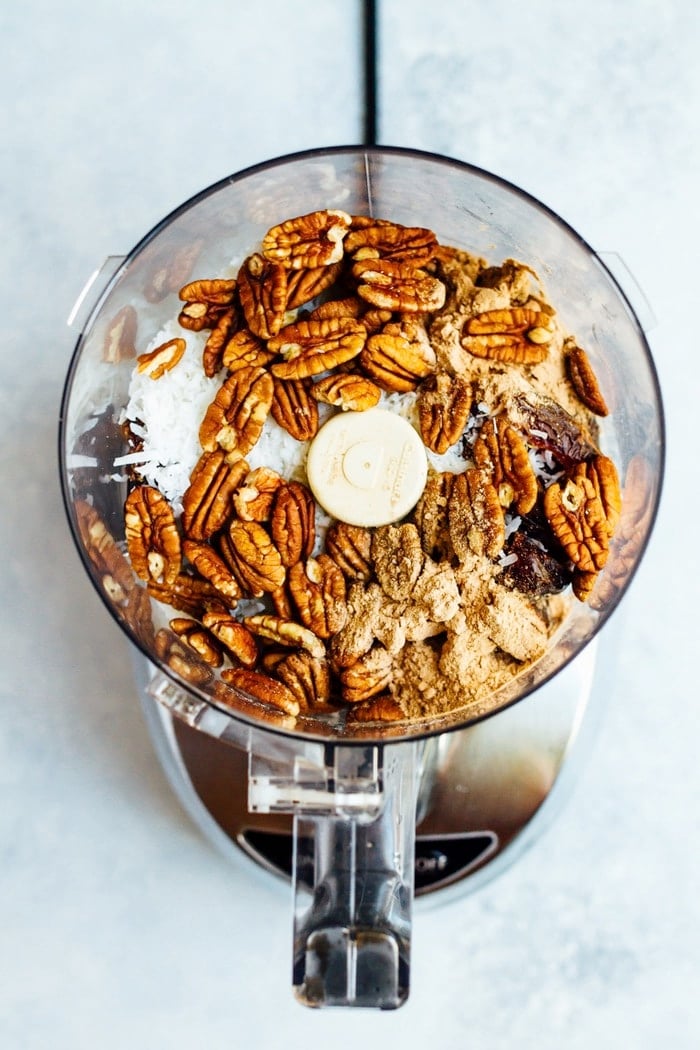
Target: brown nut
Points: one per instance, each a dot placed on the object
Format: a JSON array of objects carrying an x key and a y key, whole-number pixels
[
  {"x": 216, "y": 292},
  {"x": 397, "y": 557},
  {"x": 398, "y": 286},
  {"x": 160, "y": 360},
  {"x": 444, "y": 404},
  {"x": 152, "y": 538},
  {"x": 517, "y": 335},
  {"x": 213, "y": 352},
  {"x": 399, "y": 356},
  {"x": 307, "y": 241},
  {"x": 381, "y": 708},
  {"x": 349, "y": 546},
  {"x": 208, "y": 500},
  {"x": 168, "y": 268},
  {"x": 262, "y": 292},
  {"x": 253, "y": 557},
  {"x": 367, "y": 677},
  {"x": 200, "y": 639},
  {"x": 294, "y": 409},
  {"x": 213, "y": 568},
  {"x": 254, "y": 498},
  {"x": 501, "y": 453},
  {"x": 583, "y": 509},
  {"x": 245, "y": 350},
  {"x": 584, "y": 381},
  {"x": 390, "y": 240},
  {"x": 236, "y": 416},
  {"x": 101, "y": 547},
  {"x": 318, "y": 591},
  {"x": 430, "y": 514},
  {"x": 307, "y": 678},
  {"x": 239, "y": 643},
  {"x": 350, "y": 392},
  {"x": 312, "y": 347},
  {"x": 263, "y": 688},
  {"x": 120, "y": 337},
  {"x": 192, "y": 595},
  {"x": 305, "y": 285},
  {"x": 475, "y": 518},
  {"x": 280, "y": 631},
  {"x": 292, "y": 522}
]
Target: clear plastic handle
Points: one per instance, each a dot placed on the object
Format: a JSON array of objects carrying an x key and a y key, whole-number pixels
[{"x": 354, "y": 851}]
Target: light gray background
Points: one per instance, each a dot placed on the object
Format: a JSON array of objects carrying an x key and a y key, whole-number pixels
[{"x": 119, "y": 926}]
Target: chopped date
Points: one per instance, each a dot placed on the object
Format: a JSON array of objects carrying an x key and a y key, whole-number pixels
[
  {"x": 551, "y": 427},
  {"x": 536, "y": 572}
]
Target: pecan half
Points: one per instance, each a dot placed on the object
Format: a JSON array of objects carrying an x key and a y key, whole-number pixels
[
  {"x": 350, "y": 392},
  {"x": 318, "y": 591},
  {"x": 236, "y": 416},
  {"x": 286, "y": 632},
  {"x": 444, "y": 404},
  {"x": 101, "y": 547},
  {"x": 208, "y": 500},
  {"x": 292, "y": 522},
  {"x": 349, "y": 306},
  {"x": 152, "y": 538},
  {"x": 312, "y": 347},
  {"x": 157, "y": 362},
  {"x": 181, "y": 658},
  {"x": 218, "y": 291},
  {"x": 307, "y": 678},
  {"x": 584, "y": 381},
  {"x": 245, "y": 350},
  {"x": 213, "y": 568},
  {"x": 397, "y": 557},
  {"x": 192, "y": 595},
  {"x": 254, "y": 498},
  {"x": 294, "y": 408},
  {"x": 253, "y": 557},
  {"x": 307, "y": 241},
  {"x": 398, "y": 286},
  {"x": 120, "y": 337},
  {"x": 390, "y": 240},
  {"x": 213, "y": 352},
  {"x": 517, "y": 335},
  {"x": 367, "y": 677},
  {"x": 239, "y": 643},
  {"x": 382, "y": 708},
  {"x": 304, "y": 285},
  {"x": 430, "y": 514},
  {"x": 262, "y": 292},
  {"x": 349, "y": 546},
  {"x": 475, "y": 518},
  {"x": 582, "y": 510},
  {"x": 261, "y": 687},
  {"x": 200, "y": 639},
  {"x": 399, "y": 356},
  {"x": 501, "y": 453}
]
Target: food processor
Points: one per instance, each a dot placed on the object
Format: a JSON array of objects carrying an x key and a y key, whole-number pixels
[{"x": 361, "y": 819}]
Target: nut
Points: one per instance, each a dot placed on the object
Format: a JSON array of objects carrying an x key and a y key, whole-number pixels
[
  {"x": 200, "y": 639},
  {"x": 367, "y": 677},
  {"x": 584, "y": 381},
  {"x": 381, "y": 708},
  {"x": 399, "y": 356},
  {"x": 517, "y": 335},
  {"x": 159, "y": 361},
  {"x": 101, "y": 547},
  {"x": 262, "y": 291},
  {"x": 475, "y": 518},
  {"x": 236, "y": 416},
  {"x": 253, "y": 557},
  {"x": 307, "y": 678},
  {"x": 397, "y": 557},
  {"x": 430, "y": 514},
  {"x": 349, "y": 546},
  {"x": 312, "y": 347},
  {"x": 120, "y": 337},
  {"x": 254, "y": 498},
  {"x": 213, "y": 353},
  {"x": 501, "y": 453},
  {"x": 398, "y": 286},
  {"x": 286, "y": 632},
  {"x": 263, "y": 688},
  {"x": 583, "y": 509},
  {"x": 444, "y": 404},
  {"x": 170, "y": 267},
  {"x": 215, "y": 292},
  {"x": 390, "y": 240},
  {"x": 307, "y": 241},
  {"x": 347, "y": 391},
  {"x": 213, "y": 568},
  {"x": 350, "y": 306},
  {"x": 152, "y": 538},
  {"x": 189, "y": 594},
  {"x": 292, "y": 522},
  {"x": 318, "y": 591},
  {"x": 245, "y": 350},
  {"x": 294, "y": 408},
  {"x": 181, "y": 659},
  {"x": 208, "y": 500},
  {"x": 304, "y": 285},
  {"x": 239, "y": 643}
]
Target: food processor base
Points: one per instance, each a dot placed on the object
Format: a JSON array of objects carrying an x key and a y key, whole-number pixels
[{"x": 490, "y": 789}]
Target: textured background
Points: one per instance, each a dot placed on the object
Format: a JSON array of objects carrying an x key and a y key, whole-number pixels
[{"x": 120, "y": 925}]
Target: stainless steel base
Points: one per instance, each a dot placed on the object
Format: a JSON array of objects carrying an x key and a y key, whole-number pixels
[{"x": 493, "y": 787}]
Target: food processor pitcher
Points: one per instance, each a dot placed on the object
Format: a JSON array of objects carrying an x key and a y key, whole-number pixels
[{"x": 350, "y": 793}]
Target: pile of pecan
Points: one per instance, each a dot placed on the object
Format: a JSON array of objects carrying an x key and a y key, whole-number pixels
[{"x": 337, "y": 309}]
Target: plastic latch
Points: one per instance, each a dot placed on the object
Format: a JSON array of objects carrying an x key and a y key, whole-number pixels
[
  {"x": 92, "y": 289},
  {"x": 629, "y": 284}
]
